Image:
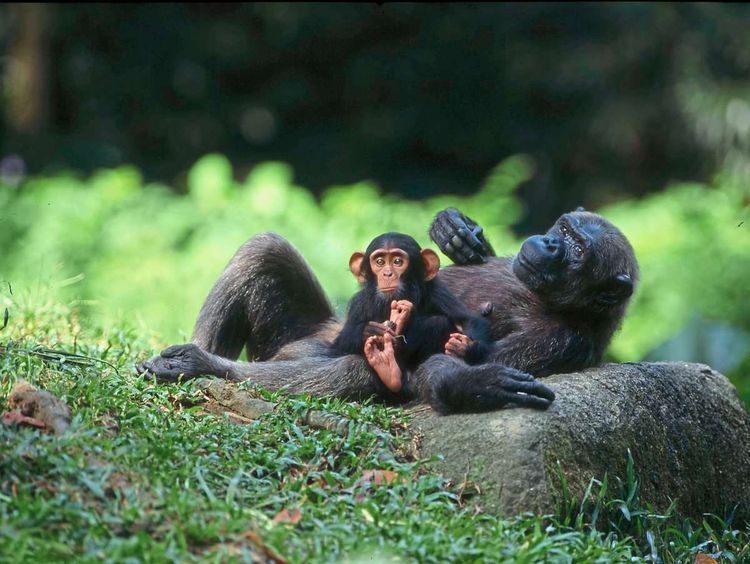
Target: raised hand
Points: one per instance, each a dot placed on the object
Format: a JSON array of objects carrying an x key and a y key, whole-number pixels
[
  {"x": 460, "y": 238},
  {"x": 400, "y": 313}
]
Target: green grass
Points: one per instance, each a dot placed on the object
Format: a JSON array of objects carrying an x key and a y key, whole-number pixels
[{"x": 145, "y": 474}]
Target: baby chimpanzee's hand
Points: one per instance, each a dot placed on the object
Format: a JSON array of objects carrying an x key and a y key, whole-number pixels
[
  {"x": 458, "y": 344},
  {"x": 400, "y": 313}
]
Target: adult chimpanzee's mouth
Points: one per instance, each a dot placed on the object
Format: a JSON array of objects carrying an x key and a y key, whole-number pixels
[{"x": 526, "y": 264}]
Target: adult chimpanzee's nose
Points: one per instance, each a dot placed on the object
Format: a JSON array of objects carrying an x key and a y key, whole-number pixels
[
  {"x": 552, "y": 245},
  {"x": 544, "y": 251}
]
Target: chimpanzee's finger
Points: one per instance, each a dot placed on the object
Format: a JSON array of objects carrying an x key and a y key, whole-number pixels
[
  {"x": 518, "y": 375},
  {"x": 533, "y": 388},
  {"x": 528, "y": 401},
  {"x": 444, "y": 228},
  {"x": 375, "y": 329},
  {"x": 455, "y": 349},
  {"x": 468, "y": 256},
  {"x": 460, "y": 337},
  {"x": 158, "y": 367},
  {"x": 175, "y": 350}
]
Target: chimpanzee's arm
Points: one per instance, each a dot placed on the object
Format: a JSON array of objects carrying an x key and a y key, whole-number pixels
[
  {"x": 543, "y": 351},
  {"x": 460, "y": 238},
  {"x": 478, "y": 330},
  {"x": 351, "y": 340},
  {"x": 450, "y": 385},
  {"x": 424, "y": 336}
]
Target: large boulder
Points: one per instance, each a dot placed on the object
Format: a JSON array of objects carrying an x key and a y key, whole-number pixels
[{"x": 687, "y": 430}]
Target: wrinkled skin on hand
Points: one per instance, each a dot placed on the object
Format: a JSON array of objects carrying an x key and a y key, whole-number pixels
[
  {"x": 458, "y": 344},
  {"x": 499, "y": 385},
  {"x": 460, "y": 238},
  {"x": 400, "y": 313},
  {"x": 178, "y": 361},
  {"x": 380, "y": 355}
]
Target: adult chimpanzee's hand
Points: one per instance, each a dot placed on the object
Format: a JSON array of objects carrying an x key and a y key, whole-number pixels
[
  {"x": 460, "y": 238},
  {"x": 186, "y": 361}
]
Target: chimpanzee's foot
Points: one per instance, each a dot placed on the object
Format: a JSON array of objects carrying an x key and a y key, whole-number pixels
[{"x": 383, "y": 362}]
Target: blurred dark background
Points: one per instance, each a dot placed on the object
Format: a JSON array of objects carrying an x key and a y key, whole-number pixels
[{"x": 610, "y": 100}]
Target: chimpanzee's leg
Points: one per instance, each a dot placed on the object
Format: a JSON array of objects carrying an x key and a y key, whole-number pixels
[
  {"x": 309, "y": 370},
  {"x": 450, "y": 385},
  {"x": 266, "y": 297}
]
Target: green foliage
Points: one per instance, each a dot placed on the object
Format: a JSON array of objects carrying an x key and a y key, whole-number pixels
[
  {"x": 693, "y": 246},
  {"x": 614, "y": 507},
  {"x": 145, "y": 474}
]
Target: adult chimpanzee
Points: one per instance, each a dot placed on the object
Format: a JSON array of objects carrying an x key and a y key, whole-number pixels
[
  {"x": 421, "y": 315},
  {"x": 552, "y": 308}
]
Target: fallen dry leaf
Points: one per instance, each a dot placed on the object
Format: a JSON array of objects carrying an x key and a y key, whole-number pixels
[
  {"x": 377, "y": 477},
  {"x": 702, "y": 558},
  {"x": 292, "y": 516},
  {"x": 256, "y": 539}
]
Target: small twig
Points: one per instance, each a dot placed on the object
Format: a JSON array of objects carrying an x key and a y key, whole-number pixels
[
  {"x": 57, "y": 355},
  {"x": 235, "y": 399}
]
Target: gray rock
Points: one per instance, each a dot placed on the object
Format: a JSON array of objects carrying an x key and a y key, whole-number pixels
[{"x": 687, "y": 430}]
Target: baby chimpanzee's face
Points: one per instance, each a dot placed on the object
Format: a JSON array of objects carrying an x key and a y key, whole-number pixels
[{"x": 389, "y": 265}]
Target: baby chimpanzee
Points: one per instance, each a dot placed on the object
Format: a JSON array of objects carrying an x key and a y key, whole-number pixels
[{"x": 421, "y": 316}]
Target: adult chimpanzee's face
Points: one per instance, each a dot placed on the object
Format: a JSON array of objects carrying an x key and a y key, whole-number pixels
[
  {"x": 581, "y": 258},
  {"x": 546, "y": 259},
  {"x": 389, "y": 265}
]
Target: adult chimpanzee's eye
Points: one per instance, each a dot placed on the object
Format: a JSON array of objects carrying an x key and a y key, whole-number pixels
[
  {"x": 563, "y": 230},
  {"x": 578, "y": 250}
]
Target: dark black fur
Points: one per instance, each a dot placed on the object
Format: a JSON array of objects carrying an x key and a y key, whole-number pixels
[
  {"x": 550, "y": 310},
  {"x": 556, "y": 312},
  {"x": 436, "y": 314}
]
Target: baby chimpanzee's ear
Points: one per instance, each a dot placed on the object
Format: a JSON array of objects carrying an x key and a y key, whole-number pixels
[
  {"x": 355, "y": 265},
  {"x": 431, "y": 263}
]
